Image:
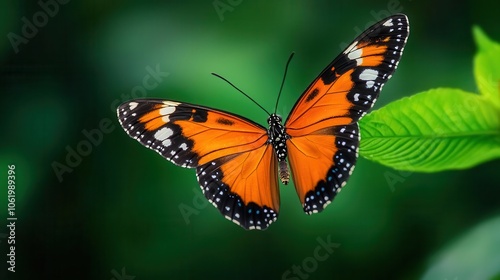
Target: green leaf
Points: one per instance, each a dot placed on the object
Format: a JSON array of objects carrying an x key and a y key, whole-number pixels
[
  {"x": 432, "y": 131},
  {"x": 475, "y": 255},
  {"x": 487, "y": 66}
]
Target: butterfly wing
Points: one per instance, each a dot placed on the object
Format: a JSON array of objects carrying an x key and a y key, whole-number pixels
[
  {"x": 323, "y": 123},
  {"x": 235, "y": 167}
]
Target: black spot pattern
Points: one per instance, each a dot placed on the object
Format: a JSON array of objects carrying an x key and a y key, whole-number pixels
[
  {"x": 342, "y": 64},
  {"x": 225, "y": 121},
  {"x": 311, "y": 95},
  {"x": 189, "y": 112}
]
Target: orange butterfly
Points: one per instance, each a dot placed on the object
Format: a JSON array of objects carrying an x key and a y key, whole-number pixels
[{"x": 238, "y": 161}]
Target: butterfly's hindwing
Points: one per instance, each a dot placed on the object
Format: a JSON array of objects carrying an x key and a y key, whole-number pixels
[
  {"x": 243, "y": 187},
  {"x": 344, "y": 157},
  {"x": 324, "y": 161}
]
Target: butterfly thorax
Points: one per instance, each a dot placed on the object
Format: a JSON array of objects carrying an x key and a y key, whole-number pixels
[{"x": 278, "y": 137}]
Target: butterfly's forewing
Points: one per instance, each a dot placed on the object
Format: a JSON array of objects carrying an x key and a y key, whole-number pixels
[
  {"x": 235, "y": 167},
  {"x": 323, "y": 123}
]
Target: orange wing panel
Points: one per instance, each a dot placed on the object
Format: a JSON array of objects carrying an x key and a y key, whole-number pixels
[
  {"x": 252, "y": 175},
  {"x": 321, "y": 102},
  {"x": 310, "y": 157},
  {"x": 221, "y": 135}
]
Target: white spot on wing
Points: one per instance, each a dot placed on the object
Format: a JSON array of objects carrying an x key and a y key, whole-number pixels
[
  {"x": 368, "y": 75},
  {"x": 163, "y": 134},
  {"x": 388, "y": 23},
  {"x": 183, "y": 146},
  {"x": 171, "y": 103},
  {"x": 352, "y": 46},
  {"x": 356, "y": 55},
  {"x": 167, "y": 143},
  {"x": 167, "y": 110},
  {"x": 132, "y": 105}
]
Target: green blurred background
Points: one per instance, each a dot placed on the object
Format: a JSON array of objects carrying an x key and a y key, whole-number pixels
[{"x": 115, "y": 213}]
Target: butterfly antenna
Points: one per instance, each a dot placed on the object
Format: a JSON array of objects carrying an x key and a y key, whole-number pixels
[
  {"x": 224, "y": 79},
  {"x": 283, "y": 82}
]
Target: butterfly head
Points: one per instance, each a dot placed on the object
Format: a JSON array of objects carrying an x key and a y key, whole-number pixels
[{"x": 274, "y": 118}]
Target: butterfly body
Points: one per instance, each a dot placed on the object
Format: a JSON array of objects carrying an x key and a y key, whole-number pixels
[
  {"x": 239, "y": 162},
  {"x": 277, "y": 138}
]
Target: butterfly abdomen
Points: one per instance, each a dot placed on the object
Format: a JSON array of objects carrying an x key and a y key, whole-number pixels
[{"x": 284, "y": 173}]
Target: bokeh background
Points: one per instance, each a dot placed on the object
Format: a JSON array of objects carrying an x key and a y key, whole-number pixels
[{"x": 115, "y": 211}]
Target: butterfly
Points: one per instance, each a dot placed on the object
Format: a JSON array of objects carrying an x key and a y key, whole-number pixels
[{"x": 238, "y": 162}]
